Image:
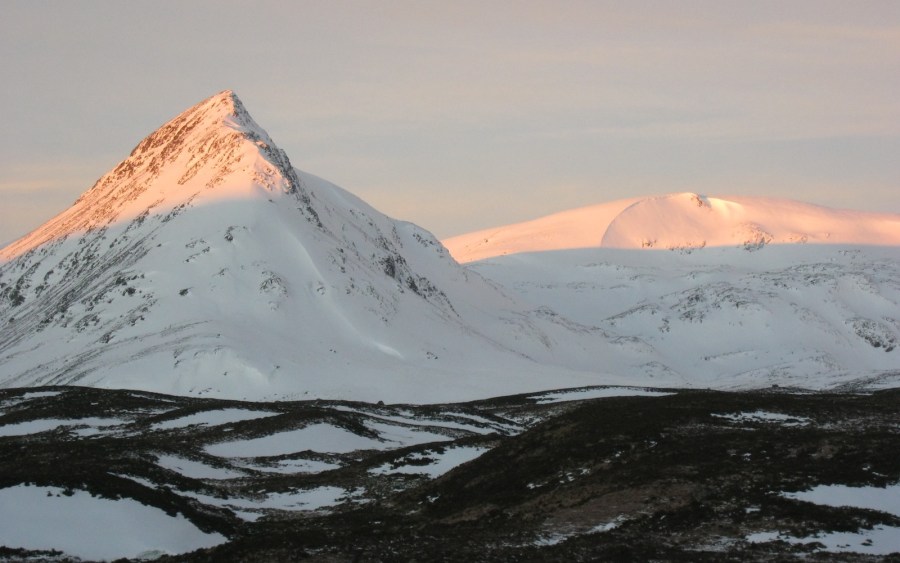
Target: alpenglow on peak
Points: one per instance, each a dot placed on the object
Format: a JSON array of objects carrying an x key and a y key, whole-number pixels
[
  {"x": 213, "y": 150},
  {"x": 205, "y": 264}
]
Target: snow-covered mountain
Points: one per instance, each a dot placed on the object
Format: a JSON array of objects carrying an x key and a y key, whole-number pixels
[
  {"x": 801, "y": 315},
  {"x": 713, "y": 287},
  {"x": 205, "y": 263},
  {"x": 682, "y": 221}
]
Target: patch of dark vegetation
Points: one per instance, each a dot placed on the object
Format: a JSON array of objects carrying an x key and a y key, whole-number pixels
[
  {"x": 684, "y": 477},
  {"x": 8, "y": 555}
]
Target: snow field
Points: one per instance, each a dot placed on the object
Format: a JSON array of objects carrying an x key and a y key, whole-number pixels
[{"x": 47, "y": 518}]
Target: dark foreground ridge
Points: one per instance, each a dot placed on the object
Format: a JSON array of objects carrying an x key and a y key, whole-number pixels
[{"x": 689, "y": 476}]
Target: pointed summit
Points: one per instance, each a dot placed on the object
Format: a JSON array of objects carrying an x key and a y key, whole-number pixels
[
  {"x": 204, "y": 263},
  {"x": 220, "y": 114},
  {"x": 213, "y": 150}
]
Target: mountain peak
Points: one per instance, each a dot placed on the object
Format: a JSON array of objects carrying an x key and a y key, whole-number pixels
[
  {"x": 213, "y": 150},
  {"x": 205, "y": 263},
  {"x": 225, "y": 97},
  {"x": 223, "y": 108},
  {"x": 226, "y": 101},
  {"x": 197, "y": 128},
  {"x": 223, "y": 111}
]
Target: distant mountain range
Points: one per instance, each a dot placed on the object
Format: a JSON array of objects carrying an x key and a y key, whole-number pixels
[
  {"x": 682, "y": 221},
  {"x": 206, "y": 264}
]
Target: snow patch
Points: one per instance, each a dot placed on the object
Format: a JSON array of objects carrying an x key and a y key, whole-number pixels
[
  {"x": 559, "y": 537},
  {"x": 765, "y": 417},
  {"x": 44, "y": 518},
  {"x": 195, "y": 469},
  {"x": 212, "y": 418},
  {"x": 884, "y": 499},
  {"x": 291, "y": 466},
  {"x": 432, "y": 464},
  {"x": 601, "y": 393},
  {"x": 319, "y": 437},
  {"x": 403, "y": 436},
  {"x": 46, "y": 424},
  {"x": 39, "y": 394},
  {"x": 252, "y": 509},
  {"x": 880, "y": 540}
]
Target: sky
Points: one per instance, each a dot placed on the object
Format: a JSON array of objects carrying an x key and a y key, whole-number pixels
[{"x": 464, "y": 115}]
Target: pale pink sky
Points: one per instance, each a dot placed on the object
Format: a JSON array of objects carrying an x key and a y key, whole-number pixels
[{"x": 464, "y": 115}]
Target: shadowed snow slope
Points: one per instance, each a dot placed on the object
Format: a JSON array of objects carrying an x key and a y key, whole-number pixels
[
  {"x": 681, "y": 221},
  {"x": 204, "y": 263}
]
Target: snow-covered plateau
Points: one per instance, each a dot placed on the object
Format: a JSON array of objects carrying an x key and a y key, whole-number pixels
[{"x": 206, "y": 264}]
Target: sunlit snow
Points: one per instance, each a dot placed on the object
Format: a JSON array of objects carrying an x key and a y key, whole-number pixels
[{"x": 681, "y": 221}]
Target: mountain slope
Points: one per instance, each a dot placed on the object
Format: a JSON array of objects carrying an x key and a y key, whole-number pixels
[
  {"x": 679, "y": 221},
  {"x": 205, "y": 263},
  {"x": 815, "y": 316},
  {"x": 718, "y": 292}
]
